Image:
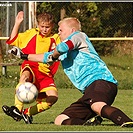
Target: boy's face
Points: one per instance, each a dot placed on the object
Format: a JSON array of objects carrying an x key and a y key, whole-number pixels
[
  {"x": 64, "y": 31},
  {"x": 45, "y": 28}
]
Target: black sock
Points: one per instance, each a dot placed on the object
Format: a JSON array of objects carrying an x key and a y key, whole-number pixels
[{"x": 115, "y": 115}]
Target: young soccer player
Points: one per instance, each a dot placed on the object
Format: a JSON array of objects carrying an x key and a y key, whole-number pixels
[
  {"x": 35, "y": 41},
  {"x": 90, "y": 75}
]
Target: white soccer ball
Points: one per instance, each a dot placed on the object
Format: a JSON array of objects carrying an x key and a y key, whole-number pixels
[{"x": 27, "y": 92}]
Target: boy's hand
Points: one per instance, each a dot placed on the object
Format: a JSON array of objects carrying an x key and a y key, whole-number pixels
[{"x": 20, "y": 17}]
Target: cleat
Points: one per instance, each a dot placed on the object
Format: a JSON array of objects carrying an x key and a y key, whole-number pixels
[
  {"x": 97, "y": 120},
  {"x": 127, "y": 124},
  {"x": 13, "y": 112},
  {"x": 28, "y": 119}
]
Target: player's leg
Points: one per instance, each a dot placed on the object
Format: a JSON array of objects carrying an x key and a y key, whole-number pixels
[
  {"x": 46, "y": 98},
  {"x": 44, "y": 101},
  {"x": 16, "y": 110},
  {"x": 24, "y": 77},
  {"x": 77, "y": 114},
  {"x": 116, "y": 116},
  {"x": 102, "y": 96}
]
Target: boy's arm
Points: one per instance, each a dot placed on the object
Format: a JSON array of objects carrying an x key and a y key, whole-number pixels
[
  {"x": 48, "y": 57},
  {"x": 36, "y": 57},
  {"x": 18, "y": 20}
]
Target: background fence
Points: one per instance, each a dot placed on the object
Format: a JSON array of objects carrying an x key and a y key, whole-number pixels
[
  {"x": 110, "y": 29},
  {"x": 110, "y": 20}
]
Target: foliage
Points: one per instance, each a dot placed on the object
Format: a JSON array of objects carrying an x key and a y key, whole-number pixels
[
  {"x": 98, "y": 19},
  {"x": 114, "y": 18}
]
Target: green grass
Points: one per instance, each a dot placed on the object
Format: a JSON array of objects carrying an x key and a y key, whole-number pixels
[
  {"x": 44, "y": 120},
  {"x": 120, "y": 66},
  {"x": 122, "y": 69}
]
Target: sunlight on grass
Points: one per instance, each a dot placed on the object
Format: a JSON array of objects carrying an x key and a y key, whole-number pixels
[
  {"x": 122, "y": 69},
  {"x": 44, "y": 121}
]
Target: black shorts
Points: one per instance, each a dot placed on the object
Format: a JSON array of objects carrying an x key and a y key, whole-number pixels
[{"x": 98, "y": 91}]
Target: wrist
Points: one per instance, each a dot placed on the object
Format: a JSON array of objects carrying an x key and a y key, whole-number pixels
[
  {"x": 24, "y": 56},
  {"x": 53, "y": 58}
]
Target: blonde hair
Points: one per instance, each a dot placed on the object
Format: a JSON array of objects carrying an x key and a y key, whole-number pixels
[{"x": 71, "y": 22}]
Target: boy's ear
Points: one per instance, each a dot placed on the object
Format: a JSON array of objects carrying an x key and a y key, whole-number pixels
[{"x": 74, "y": 29}]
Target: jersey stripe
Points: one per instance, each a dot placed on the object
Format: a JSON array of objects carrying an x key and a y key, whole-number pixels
[{"x": 70, "y": 44}]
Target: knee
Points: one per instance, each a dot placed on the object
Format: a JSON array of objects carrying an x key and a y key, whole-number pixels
[
  {"x": 60, "y": 118},
  {"x": 51, "y": 100},
  {"x": 25, "y": 76},
  {"x": 97, "y": 107}
]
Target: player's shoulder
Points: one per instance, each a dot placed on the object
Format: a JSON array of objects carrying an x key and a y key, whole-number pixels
[
  {"x": 55, "y": 35},
  {"x": 33, "y": 30}
]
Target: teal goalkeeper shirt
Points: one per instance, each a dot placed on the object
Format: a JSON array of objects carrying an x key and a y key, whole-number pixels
[{"x": 81, "y": 63}]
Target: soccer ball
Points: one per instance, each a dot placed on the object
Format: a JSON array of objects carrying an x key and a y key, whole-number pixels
[{"x": 27, "y": 92}]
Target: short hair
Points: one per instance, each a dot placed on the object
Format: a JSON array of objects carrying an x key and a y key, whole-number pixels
[
  {"x": 45, "y": 17},
  {"x": 71, "y": 22}
]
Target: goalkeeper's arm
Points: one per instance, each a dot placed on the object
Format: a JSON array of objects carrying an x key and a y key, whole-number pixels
[{"x": 49, "y": 57}]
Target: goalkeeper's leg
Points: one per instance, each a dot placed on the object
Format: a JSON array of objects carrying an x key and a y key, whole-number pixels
[{"x": 117, "y": 116}]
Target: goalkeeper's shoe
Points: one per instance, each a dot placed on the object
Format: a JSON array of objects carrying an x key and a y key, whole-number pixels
[
  {"x": 13, "y": 112},
  {"x": 127, "y": 124},
  {"x": 97, "y": 120},
  {"x": 28, "y": 119}
]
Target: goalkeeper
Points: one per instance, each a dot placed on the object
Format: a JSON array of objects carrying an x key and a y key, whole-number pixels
[
  {"x": 35, "y": 41},
  {"x": 89, "y": 74}
]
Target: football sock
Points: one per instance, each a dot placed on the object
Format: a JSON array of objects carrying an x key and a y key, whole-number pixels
[
  {"x": 51, "y": 99},
  {"x": 18, "y": 104},
  {"x": 39, "y": 107},
  {"x": 73, "y": 121},
  {"x": 115, "y": 115},
  {"x": 42, "y": 105}
]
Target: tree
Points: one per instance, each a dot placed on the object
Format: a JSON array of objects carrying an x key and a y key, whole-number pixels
[{"x": 98, "y": 19}]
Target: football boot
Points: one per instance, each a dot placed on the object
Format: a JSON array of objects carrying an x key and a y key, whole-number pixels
[
  {"x": 13, "y": 112},
  {"x": 28, "y": 119},
  {"x": 97, "y": 120},
  {"x": 127, "y": 124}
]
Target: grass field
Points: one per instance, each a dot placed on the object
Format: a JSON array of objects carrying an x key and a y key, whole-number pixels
[
  {"x": 122, "y": 69},
  {"x": 44, "y": 121}
]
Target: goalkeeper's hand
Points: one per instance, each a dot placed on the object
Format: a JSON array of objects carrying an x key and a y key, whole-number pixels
[
  {"x": 18, "y": 53},
  {"x": 49, "y": 59}
]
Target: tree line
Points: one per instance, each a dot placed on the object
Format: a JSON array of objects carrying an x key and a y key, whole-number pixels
[{"x": 98, "y": 19}]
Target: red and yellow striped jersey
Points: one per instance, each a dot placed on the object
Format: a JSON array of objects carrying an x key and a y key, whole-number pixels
[{"x": 32, "y": 42}]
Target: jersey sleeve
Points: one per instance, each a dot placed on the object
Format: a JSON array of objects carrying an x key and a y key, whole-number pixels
[
  {"x": 72, "y": 42},
  {"x": 21, "y": 39}
]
